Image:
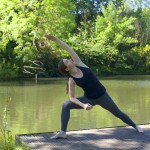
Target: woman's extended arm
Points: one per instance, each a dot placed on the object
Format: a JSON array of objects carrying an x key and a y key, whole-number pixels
[
  {"x": 71, "y": 52},
  {"x": 72, "y": 97}
]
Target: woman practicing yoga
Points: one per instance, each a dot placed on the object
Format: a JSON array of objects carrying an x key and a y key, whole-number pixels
[{"x": 94, "y": 92}]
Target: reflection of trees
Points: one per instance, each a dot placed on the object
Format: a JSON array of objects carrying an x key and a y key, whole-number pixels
[{"x": 37, "y": 107}]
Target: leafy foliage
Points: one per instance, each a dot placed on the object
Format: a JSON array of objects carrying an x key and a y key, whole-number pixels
[
  {"x": 108, "y": 35},
  {"x": 107, "y": 44},
  {"x": 23, "y": 22}
]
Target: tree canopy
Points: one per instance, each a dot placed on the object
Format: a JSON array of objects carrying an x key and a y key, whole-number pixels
[{"x": 111, "y": 36}]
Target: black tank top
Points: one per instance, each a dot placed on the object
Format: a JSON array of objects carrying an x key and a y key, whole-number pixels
[{"x": 89, "y": 83}]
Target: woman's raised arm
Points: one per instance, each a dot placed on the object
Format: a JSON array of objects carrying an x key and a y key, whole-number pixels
[{"x": 71, "y": 52}]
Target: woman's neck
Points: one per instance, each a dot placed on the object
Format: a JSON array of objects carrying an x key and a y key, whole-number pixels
[{"x": 76, "y": 72}]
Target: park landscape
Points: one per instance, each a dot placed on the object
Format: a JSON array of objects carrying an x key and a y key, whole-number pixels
[{"x": 112, "y": 37}]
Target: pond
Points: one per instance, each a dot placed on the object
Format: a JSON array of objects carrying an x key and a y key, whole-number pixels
[{"x": 36, "y": 106}]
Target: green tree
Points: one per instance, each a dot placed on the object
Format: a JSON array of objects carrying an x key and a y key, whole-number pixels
[
  {"x": 144, "y": 23},
  {"x": 23, "y": 22},
  {"x": 87, "y": 10},
  {"x": 140, "y": 54},
  {"x": 107, "y": 43}
]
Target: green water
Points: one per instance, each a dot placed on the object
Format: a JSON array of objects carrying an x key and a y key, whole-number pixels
[{"x": 36, "y": 106}]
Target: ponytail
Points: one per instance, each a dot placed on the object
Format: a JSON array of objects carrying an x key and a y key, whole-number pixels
[
  {"x": 67, "y": 86},
  {"x": 62, "y": 70}
]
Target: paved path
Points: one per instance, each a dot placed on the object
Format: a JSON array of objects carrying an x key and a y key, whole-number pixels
[{"x": 119, "y": 138}]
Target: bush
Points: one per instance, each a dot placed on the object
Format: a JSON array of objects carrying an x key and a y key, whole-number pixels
[{"x": 8, "y": 71}]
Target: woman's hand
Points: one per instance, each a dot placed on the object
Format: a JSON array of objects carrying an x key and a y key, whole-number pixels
[
  {"x": 87, "y": 106},
  {"x": 50, "y": 37}
]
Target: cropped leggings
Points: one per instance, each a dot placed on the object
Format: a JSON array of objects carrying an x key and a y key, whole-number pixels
[{"x": 104, "y": 101}]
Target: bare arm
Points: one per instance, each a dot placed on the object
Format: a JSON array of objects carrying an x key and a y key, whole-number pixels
[
  {"x": 72, "y": 96},
  {"x": 71, "y": 52}
]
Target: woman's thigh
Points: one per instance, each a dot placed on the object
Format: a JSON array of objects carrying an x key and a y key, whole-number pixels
[
  {"x": 69, "y": 104},
  {"x": 107, "y": 103}
]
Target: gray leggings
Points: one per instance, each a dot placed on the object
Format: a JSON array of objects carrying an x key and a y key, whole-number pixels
[{"x": 104, "y": 101}]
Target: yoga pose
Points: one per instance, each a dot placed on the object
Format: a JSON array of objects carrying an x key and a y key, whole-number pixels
[{"x": 94, "y": 92}]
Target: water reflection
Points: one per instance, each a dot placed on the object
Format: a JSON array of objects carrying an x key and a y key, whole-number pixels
[{"x": 37, "y": 107}]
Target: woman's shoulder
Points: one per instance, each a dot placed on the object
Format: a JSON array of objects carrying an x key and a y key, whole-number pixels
[
  {"x": 71, "y": 80},
  {"x": 82, "y": 65}
]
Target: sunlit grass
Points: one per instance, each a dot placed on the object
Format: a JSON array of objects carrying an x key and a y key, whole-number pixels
[
  {"x": 5, "y": 142},
  {"x": 10, "y": 145}
]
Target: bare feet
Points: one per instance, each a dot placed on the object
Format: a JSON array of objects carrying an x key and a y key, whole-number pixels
[
  {"x": 59, "y": 135},
  {"x": 139, "y": 129}
]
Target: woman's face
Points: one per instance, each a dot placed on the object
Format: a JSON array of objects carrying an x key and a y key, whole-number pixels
[{"x": 69, "y": 64}]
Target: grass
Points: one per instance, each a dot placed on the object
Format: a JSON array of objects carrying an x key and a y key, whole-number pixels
[{"x": 7, "y": 144}]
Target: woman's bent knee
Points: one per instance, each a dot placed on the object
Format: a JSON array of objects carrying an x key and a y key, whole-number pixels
[{"x": 67, "y": 104}]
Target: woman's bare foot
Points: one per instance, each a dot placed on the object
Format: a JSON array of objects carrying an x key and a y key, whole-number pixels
[
  {"x": 59, "y": 135},
  {"x": 139, "y": 129}
]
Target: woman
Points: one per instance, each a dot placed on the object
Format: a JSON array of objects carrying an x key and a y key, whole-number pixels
[{"x": 94, "y": 92}]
